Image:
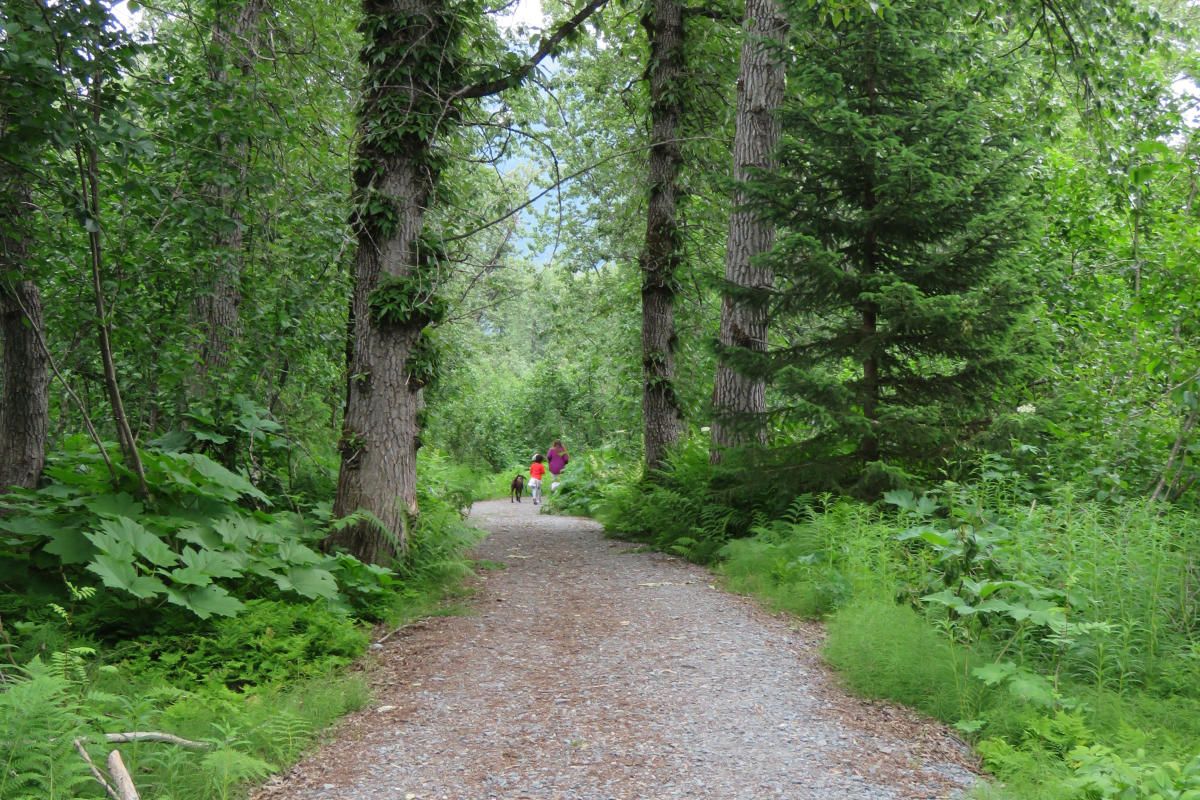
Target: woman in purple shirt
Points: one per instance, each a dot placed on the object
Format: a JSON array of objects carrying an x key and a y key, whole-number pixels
[{"x": 556, "y": 459}]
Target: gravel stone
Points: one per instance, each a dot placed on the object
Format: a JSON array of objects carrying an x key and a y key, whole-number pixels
[{"x": 593, "y": 671}]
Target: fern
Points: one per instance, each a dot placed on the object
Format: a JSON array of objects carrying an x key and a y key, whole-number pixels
[
  {"x": 226, "y": 768},
  {"x": 40, "y": 719},
  {"x": 285, "y": 734}
]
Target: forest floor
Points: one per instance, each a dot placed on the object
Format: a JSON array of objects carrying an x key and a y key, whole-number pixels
[{"x": 592, "y": 670}]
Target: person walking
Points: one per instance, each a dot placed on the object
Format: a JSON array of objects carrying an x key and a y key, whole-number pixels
[
  {"x": 536, "y": 470},
  {"x": 556, "y": 459}
]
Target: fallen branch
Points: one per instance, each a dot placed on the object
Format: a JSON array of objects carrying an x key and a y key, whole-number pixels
[
  {"x": 120, "y": 775},
  {"x": 96, "y": 773},
  {"x": 154, "y": 736}
]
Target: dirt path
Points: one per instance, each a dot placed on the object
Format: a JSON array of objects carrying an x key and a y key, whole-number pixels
[{"x": 594, "y": 672}]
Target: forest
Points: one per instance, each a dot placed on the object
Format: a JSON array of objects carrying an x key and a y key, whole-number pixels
[{"x": 888, "y": 311}]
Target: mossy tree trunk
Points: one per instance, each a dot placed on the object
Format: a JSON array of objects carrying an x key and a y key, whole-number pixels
[
  {"x": 417, "y": 83},
  {"x": 395, "y": 175}
]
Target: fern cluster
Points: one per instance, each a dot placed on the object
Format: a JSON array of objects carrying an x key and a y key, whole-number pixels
[{"x": 41, "y": 717}]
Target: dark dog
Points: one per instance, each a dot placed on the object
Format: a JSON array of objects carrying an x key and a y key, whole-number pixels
[{"x": 517, "y": 486}]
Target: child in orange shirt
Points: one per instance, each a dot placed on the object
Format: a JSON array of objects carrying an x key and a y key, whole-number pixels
[{"x": 536, "y": 470}]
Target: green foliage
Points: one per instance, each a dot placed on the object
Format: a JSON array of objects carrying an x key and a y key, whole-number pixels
[
  {"x": 193, "y": 546},
  {"x": 587, "y": 481},
  {"x": 800, "y": 563},
  {"x": 692, "y": 508},
  {"x": 407, "y": 299},
  {"x": 255, "y": 688},
  {"x": 901, "y": 293},
  {"x": 889, "y": 651},
  {"x": 272, "y": 643},
  {"x": 1050, "y": 633},
  {"x": 41, "y": 716}
]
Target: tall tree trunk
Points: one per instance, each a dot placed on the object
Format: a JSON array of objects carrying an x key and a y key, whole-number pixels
[
  {"x": 394, "y": 180},
  {"x": 413, "y": 90},
  {"x": 24, "y": 374},
  {"x": 738, "y": 398},
  {"x": 235, "y": 34},
  {"x": 661, "y": 256}
]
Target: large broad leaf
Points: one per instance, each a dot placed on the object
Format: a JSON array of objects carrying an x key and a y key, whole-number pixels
[
  {"x": 109, "y": 544},
  {"x": 901, "y": 498},
  {"x": 213, "y": 563},
  {"x": 70, "y": 545},
  {"x": 926, "y": 506},
  {"x": 144, "y": 543},
  {"x": 227, "y": 480},
  {"x": 308, "y": 582},
  {"x": 1032, "y": 688},
  {"x": 926, "y": 533},
  {"x": 206, "y": 601},
  {"x": 1022, "y": 683},
  {"x": 201, "y": 535},
  {"x": 190, "y": 576},
  {"x": 992, "y": 674},
  {"x": 29, "y": 524},
  {"x": 994, "y": 605},
  {"x": 985, "y": 588},
  {"x": 234, "y": 532},
  {"x": 296, "y": 553},
  {"x": 952, "y": 601},
  {"x": 120, "y": 574},
  {"x": 1043, "y": 612},
  {"x": 114, "y": 505}
]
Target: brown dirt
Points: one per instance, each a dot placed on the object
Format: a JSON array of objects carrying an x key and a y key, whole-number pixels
[{"x": 592, "y": 671}]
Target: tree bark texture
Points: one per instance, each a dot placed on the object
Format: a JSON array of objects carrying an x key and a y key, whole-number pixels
[
  {"x": 394, "y": 178},
  {"x": 736, "y": 396},
  {"x": 24, "y": 372},
  {"x": 661, "y": 254},
  {"x": 233, "y": 44}
]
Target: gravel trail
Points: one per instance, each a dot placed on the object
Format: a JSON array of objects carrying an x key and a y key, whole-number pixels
[{"x": 591, "y": 671}]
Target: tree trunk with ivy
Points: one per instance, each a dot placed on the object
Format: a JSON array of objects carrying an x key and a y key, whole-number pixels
[
  {"x": 739, "y": 399},
  {"x": 406, "y": 51},
  {"x": 415, "y": 86},
  {"x": 661, "y": 256}
]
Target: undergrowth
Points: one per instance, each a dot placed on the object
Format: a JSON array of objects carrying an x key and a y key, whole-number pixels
[
  {"x": 1061, "y": 635},
  {"x": 247, "y": 676}
]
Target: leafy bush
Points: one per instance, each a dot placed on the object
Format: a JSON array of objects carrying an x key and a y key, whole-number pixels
[
  {"x": 587, "y": 482},
  {"x": 794, "y": 564},
  {"x": 691, "y": 508},
  {"x": 193, "y": 546}
]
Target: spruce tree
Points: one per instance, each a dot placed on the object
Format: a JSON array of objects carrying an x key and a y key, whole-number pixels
[{"x": 900, "y": 293}]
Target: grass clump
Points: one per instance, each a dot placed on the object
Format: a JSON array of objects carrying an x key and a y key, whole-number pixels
[{"x": 889, "y": 651}]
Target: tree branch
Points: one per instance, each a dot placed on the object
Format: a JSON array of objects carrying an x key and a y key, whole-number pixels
[{"x": 548, "y": 47}]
